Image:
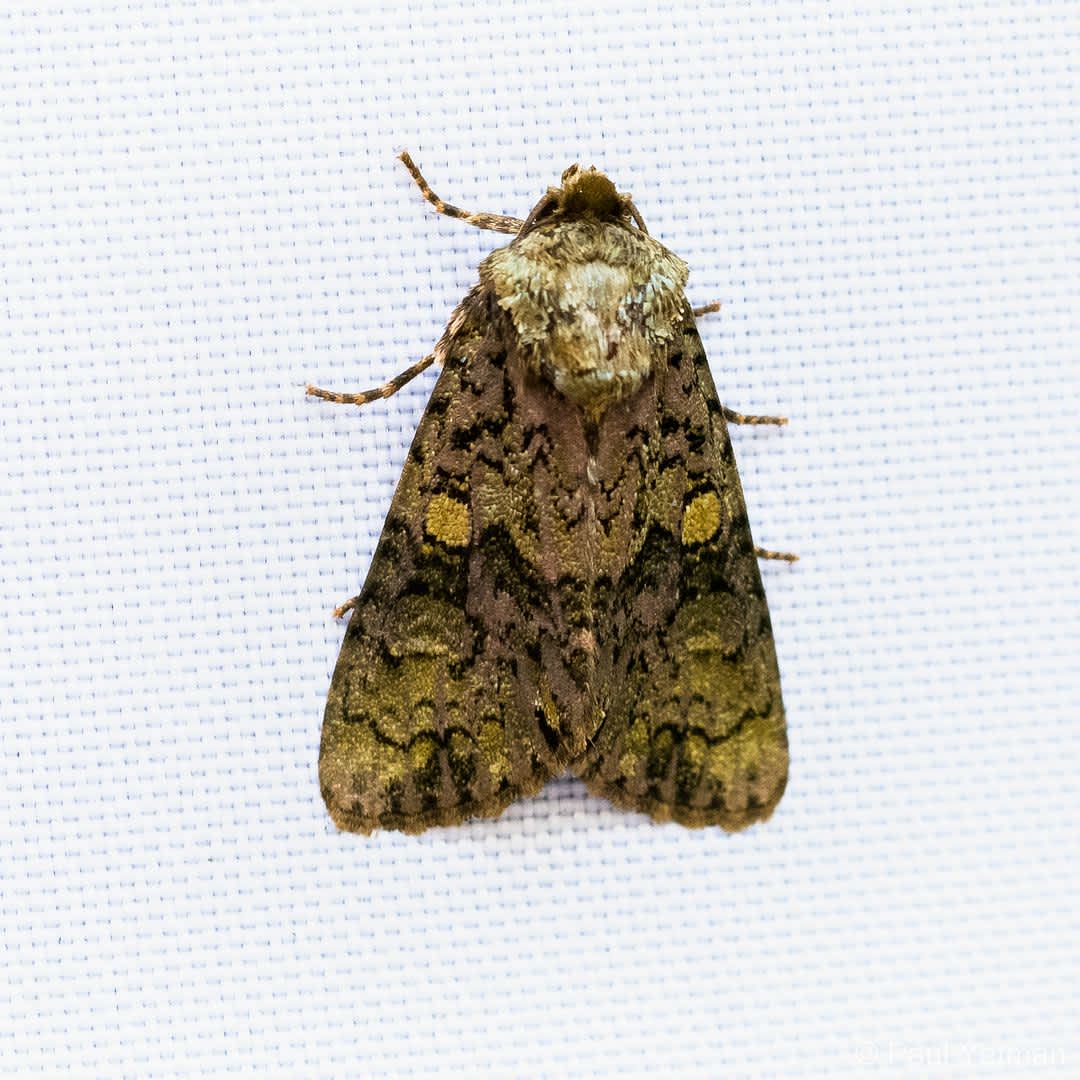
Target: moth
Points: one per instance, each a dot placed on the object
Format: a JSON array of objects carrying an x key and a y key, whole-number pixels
[{"x": 566, "y": 579}]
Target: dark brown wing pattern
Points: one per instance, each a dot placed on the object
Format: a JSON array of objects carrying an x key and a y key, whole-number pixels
[
  {"x": 548, "y": 594},
  {"x": 463, "y": 678},
  {"x": 692, "y": 723}
]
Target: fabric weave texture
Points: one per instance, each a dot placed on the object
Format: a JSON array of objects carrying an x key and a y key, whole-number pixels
[{"x": 201, "y": 211}]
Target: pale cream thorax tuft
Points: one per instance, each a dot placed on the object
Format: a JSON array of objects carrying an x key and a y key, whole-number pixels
[{"x": 594, "y": 304}]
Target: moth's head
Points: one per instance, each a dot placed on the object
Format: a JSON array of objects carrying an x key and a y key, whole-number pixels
[{"x": 584, "y": 193}]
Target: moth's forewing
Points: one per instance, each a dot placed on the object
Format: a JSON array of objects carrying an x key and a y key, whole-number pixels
[
  {"x": 693, "y": 722},
  {"x": 462, "y": 680}
]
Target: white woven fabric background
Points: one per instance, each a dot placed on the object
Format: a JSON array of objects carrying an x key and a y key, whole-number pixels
[{"x": 201, "y": 210}]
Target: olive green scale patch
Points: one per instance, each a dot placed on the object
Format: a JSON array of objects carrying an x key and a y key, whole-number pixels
[
  {"x": 448, "y": 520},
  {"x": 701, "y": 519}
]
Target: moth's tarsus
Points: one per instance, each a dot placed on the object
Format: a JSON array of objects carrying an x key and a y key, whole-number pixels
[
  {"x": 707, "y": 309},
  {"x": 565, "y": 579},
  {"x": 733, "y": 417},
  {"x": 386, "y": 390},
  {"x": 494, "y": 222},
  {"x": 782, "y": 556},
  {"x": 342, "y": 609}
]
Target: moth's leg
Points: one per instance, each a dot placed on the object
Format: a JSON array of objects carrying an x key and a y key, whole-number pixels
[
  {"x": 733, "y": 417},
  {"x": 339, "y": 612},
  {"x": 384, "y": 391},
  {"x": 783, "y": 556},
  {"x": 494, "y": 222}
]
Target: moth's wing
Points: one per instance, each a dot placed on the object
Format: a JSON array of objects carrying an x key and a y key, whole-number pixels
[
  {"x": 462, "y": 679},
  {"x": 693, "y": 723}
]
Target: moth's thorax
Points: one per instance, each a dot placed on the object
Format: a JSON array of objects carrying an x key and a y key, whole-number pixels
[{"x": 594, "y": 304}]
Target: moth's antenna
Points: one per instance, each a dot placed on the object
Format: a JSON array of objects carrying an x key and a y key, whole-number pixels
[{"x": 494, "y": 222}]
